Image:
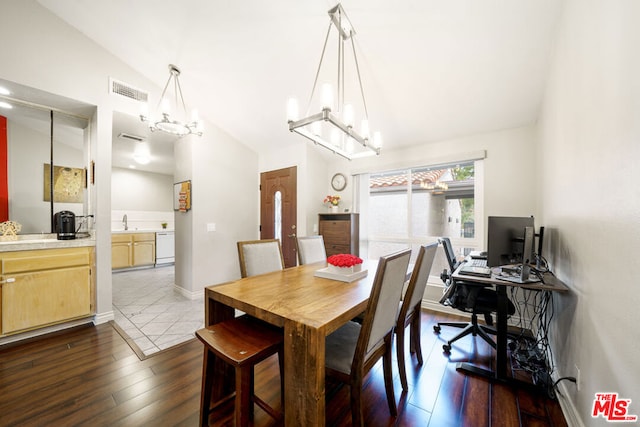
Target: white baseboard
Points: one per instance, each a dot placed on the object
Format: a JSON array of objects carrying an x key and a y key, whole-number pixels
[
  {"x": 105, "y": 317},
  {"x": 569, "y": 410},
  {"x": 189, "y": 294}
]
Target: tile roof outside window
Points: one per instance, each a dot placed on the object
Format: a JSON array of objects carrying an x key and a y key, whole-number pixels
[{"x": 400, "y": 179}]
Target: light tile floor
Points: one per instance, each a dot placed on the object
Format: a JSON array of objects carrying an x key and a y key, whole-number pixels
[{"x": 151, "y": 312}]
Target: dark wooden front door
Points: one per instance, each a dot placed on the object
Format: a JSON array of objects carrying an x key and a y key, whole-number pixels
[{"x": 278, "y": 210}]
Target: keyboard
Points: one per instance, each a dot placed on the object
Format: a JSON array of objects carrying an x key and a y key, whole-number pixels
[
  {"x": 477, "y": 262},
  {"x": 471, "y": 270}
]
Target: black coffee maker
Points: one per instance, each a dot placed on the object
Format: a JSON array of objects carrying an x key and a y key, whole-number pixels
[{"x": 65, "y": 225}]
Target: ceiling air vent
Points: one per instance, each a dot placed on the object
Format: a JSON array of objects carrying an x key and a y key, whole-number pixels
[
  {"x": 129, "y": 137},
  {"x": 128, "y": 91}
]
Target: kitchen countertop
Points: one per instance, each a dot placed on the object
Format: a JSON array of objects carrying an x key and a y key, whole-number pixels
[{"x": 25, "y": 242}]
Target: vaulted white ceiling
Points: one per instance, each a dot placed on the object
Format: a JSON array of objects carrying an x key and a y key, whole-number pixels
[{"x": 431, "y": 69}]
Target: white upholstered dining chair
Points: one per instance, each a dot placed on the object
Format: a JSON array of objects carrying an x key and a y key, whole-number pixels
[
  {"x": 410, "y": 309},
  {"x": 353, "y": 349},
  {"x": 260, "y": 256},
  {"x": 310, "y": 249}
]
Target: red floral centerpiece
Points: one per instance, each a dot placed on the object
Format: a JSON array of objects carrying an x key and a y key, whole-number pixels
[{"x": 344, "y": 263}]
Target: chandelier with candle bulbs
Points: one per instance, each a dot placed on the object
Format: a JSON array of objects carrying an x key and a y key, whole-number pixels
[
  {"x": 175, "y": 123},
  {"x": 333, "y": 126}
]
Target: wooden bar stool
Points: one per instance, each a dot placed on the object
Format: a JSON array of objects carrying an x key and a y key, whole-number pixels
[{"x": 241, "y": 342}]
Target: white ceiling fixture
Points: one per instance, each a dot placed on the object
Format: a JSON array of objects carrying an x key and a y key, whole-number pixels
[
  {"x": 142, "y": 153},
  {"x": 335, "y": 130},
  {"x": 174, "y": 120}
]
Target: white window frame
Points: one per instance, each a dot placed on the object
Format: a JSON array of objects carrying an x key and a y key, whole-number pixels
[{"x": 361, "y": 195}]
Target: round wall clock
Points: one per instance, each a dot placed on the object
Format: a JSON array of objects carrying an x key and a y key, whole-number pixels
[{"x": 339, "y": 182}]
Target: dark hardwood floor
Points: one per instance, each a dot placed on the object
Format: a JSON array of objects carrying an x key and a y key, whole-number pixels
[{"x": 89, "y": 376}]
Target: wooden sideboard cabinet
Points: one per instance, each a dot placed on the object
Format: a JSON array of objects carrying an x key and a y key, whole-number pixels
[
  {"x": 45, "y": 287},
  {"x": 132, "y": 250},
  {"x": 341, "y": 233}
]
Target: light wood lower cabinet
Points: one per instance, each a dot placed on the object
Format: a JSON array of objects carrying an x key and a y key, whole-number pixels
[
  {"x": 132, "y": 250},
  {"x": 144, "y": 249},
  {"x": 120, "y": 251},
  {"x": 44, "y": 287}
]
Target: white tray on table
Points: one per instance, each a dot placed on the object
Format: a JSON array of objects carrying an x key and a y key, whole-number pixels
[{"x": 327, "y": 273}]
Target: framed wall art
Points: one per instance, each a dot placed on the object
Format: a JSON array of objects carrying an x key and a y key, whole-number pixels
[
  {"x": 182, "y": 196},
  {"x": 68, "y": 184}
]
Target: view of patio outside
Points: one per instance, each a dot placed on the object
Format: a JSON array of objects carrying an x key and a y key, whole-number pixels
[{"x": 437, "y": 203}]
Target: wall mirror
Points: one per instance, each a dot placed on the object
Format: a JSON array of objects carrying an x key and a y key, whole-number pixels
[{"x": 48, "y": 157}]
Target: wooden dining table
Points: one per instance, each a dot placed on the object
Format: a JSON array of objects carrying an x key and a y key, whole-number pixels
[{"x": 308, "y": 308}]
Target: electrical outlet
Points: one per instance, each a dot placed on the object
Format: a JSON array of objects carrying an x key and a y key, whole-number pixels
[{"x": 577, "y": 377}]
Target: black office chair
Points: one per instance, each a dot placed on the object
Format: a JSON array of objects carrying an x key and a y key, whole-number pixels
[{"x": 468, "y": 297}]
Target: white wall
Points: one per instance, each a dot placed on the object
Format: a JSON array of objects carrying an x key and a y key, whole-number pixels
[
  {"x": 222, "y": 193},
  {"x": 145, "y": 197},
  {"x": 141, "y": 191},
  {"x": 227, "y": 196},
  {"x": 590, "y": 146},
  {"x": 183, "y": 156}
]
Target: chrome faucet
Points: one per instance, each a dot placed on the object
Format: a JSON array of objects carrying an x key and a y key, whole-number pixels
[{"x": 124, "y": 221}]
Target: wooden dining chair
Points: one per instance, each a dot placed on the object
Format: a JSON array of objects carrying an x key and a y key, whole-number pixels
[
  {"x": 410, "y": 309},
  {"x": 310, "y": 249},
  {"x": 241, "y": 342},
  {"x": 353, "y": 349},
  {"x": 260, "y": 256}
]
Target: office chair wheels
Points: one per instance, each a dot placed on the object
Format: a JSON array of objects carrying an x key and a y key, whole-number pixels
[{"x": 445, "y": 347}]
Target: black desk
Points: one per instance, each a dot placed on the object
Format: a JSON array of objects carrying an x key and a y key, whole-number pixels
[{"x": 551, "y": 284}]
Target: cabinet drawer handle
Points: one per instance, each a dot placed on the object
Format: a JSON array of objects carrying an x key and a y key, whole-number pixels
[{"x": 8, "y": 280}]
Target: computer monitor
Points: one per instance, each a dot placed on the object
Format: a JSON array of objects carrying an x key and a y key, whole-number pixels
[
  {"x": 505, "y": 243},
  {"x": 539, "y": 259},
  {"x": 527, "y": 253}
]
